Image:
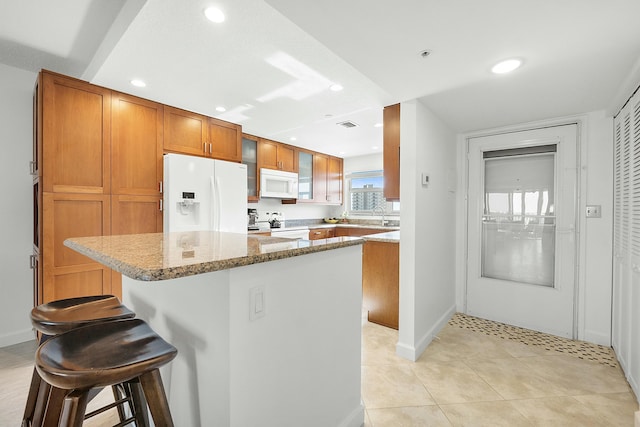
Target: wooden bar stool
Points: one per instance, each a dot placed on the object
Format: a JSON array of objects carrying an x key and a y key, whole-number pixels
[
  {"x": 101, "y": 355},
  {"x": 61, "y": 316}
]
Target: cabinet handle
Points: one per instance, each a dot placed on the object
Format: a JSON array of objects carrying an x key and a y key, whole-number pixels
[
  {"x": 316, "y": 233},
  {"x": 32, "y": 262},
  {"x": 204, "y": 147},
  {"x": 210, "y": 148},
  {"x": 32, "y": 168},
  {"x": 160, "y": 186},
  {"x": 160, "y": 205}
]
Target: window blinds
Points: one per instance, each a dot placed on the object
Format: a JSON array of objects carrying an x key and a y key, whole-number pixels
[{"x": 626, "y": 239}]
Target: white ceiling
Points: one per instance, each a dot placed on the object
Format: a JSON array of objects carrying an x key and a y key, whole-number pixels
[{"x": 271, "y": 62}]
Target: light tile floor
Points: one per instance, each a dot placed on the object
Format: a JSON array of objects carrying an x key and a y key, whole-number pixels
[
  {"x": 465, "y": 378},
  {"x": 474, "y": 378}
]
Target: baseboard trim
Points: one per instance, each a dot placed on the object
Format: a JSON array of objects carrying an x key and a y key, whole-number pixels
[
  {"x": 413, "y": 352},
  {"x": 355, "y": 418},
  {"x": 17, "y": 337}
]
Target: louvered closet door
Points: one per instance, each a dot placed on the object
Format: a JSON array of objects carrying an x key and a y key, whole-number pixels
[{"x": 626, "y": 273}]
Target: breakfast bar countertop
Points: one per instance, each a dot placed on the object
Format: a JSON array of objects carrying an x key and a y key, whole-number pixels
[{"x": 161, "y": 256}]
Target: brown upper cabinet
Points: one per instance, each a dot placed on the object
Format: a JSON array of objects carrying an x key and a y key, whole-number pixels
[
  {"x": 319, "y": 178},
  {"x": 136, "y": 146},
  {"x": 190, "y": 133},
  {"x": 74, "y": 126},
  {"x": 275, "y": 155},
  {"x": 391, "y": 156},
  {"x": 226, "y": 140},
  {"x": 320, "y": 165},
  {"x": 334, "y": 180}
]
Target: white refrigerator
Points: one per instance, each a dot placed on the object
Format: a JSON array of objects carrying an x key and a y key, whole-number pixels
[{"x": 204, "y": 194}]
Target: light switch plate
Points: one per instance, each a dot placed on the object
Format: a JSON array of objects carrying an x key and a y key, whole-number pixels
[
  {"x": 425, "y": 180},
  {"x": 257, "y": 306},
  {"x": 594, "y": 211}
]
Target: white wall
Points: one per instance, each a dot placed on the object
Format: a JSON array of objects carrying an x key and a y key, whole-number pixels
[
  {"x": 297, "y": 211},
  {"x": 596, "y": 248},
  {"x": 595, "y": 234},
  {"x": 427, "y": 246},
  {"x": 16, "y": 89},
  {"x": 370, "y": 162}
]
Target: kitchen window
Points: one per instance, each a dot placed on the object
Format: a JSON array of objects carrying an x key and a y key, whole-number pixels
[{"x": 366, "y": 194}]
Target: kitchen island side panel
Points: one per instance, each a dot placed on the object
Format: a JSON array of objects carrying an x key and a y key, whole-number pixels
[
  {"x": 297, "y": 365},
  {"x": 192, "y": 313},
  {"x": 300, "y": 364}
]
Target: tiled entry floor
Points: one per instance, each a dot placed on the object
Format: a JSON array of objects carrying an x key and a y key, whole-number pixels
[{"x": 470, "y": 376}]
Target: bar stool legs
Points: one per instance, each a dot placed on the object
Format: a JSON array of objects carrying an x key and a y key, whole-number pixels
[{"x": 156, "y": 398}]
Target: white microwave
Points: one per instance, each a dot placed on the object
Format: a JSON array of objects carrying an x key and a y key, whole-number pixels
[{"x": 278, "y": 184}]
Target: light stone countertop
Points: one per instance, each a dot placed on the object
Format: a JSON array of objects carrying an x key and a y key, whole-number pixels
[
  {"x": 349, "y": 225},
  {"x": 159, "y": 256},
  {"x": 388, "y": 237}
]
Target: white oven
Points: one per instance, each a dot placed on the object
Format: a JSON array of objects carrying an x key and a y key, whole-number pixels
[
  {"x": 278, "y": 184},
  {"x": 296, "y": 233}
]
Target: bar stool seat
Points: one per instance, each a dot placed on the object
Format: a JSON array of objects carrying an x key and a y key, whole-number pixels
[
  {"x": 63, "y": 315},
  {"x": 101, "y": 355}
]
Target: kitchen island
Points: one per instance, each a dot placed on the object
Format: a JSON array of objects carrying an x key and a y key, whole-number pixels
[{"x": 268, "y": 330}]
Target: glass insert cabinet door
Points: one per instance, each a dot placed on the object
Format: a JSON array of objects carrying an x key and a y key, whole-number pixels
[
  {"x": 518, "y": 220},
  {"x": 305, "y": 176}
]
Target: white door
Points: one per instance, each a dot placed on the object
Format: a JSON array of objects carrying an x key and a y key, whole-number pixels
[{"x": 522, "y": 197}]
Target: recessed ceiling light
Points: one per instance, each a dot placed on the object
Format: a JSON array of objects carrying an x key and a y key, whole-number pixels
[
  {"x": 214, "y": 14},
  {"x": 336, "y": 87},
  {"x": 374, "y": 147},
  {"x": 342, "y": 152},
  {"x": 377, "y": 125},
  {"x": 506, "y": 66},
  {"x": 138, "y": 83},
  {"x": 293, "y": 138},
  {"x": 221, "y": 109}
]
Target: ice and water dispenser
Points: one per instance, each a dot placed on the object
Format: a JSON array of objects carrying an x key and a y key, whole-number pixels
[{"x": 189, "y": 209}]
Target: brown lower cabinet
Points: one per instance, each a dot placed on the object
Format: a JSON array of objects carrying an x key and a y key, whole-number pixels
[
  {"x": 321, "y": 233},
  {"x": 66, "y": 273},
  {"x": 380, "y": 282},
  {"x": 356, "y": 231}
]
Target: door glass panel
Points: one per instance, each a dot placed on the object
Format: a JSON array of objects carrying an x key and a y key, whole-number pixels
[
  {"x": 305, "y": 176},
  {"x": 250, "y": 158},
  {"x": 518, "y": 223}
]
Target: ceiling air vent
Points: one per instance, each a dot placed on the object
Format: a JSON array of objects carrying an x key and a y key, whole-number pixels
[{"x": 348, "y": 124}]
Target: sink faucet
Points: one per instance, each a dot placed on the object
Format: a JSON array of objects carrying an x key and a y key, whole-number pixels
[{"x": 380, "y": 209}]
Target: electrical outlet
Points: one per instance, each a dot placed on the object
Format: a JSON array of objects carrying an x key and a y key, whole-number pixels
[{"x": 594, "y": 211}]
